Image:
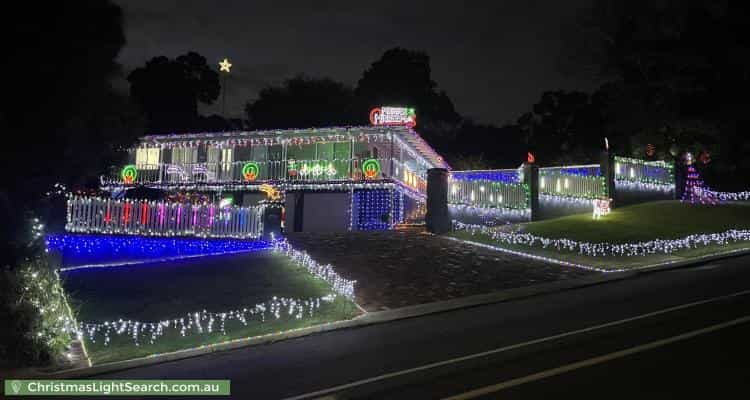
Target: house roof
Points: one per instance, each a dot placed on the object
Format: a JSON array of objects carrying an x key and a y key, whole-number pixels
[{"x": 404, "y": 133}]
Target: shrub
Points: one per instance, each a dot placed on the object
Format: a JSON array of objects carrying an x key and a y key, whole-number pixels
[{"x": 37, "y": 321}]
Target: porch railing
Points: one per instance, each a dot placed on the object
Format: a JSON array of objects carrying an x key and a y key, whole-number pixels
[{"x": 161, "y": 218}]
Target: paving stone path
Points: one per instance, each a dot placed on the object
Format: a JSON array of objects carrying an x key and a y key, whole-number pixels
[{"x": 396, "y": 269}]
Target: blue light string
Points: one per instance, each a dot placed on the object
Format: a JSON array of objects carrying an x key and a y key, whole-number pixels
[
  {"x": 494, "y": 176},
  {"x": 371, "y": 207},
  {"x": 83, "y": 249}
]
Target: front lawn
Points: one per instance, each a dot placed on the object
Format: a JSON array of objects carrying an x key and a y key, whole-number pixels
[
  {"x": 647, "y": 221},
  {"x": 172, "y": 290},
  {"x": 637, "y": 223}
]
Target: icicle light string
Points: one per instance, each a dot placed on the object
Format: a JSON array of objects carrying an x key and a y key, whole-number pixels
[{"x": 662, "y": 246}]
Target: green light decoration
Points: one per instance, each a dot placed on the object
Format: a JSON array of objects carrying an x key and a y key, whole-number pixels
[
  {"x": 250, "y": 171},
  {"x": 371, "y": 168},
  {"x": 129, "y": 173}
]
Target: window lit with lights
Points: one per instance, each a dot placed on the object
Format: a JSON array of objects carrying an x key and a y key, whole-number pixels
[{"x": 147, "y": 158}]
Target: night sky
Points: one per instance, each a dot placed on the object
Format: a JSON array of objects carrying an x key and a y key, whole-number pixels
[{"x": 494, "y": 60}]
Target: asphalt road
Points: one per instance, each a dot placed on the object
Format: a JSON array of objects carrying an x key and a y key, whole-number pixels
[{"x": 675, "y": 333}]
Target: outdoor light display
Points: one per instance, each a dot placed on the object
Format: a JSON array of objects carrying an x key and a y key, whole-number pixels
[
  {"x": 393, "y": 116},
  {"x": 641, "y": 171},
  {"x": 225, "y": 65},
  {"x": 203, "y": 322},
  {"x": 128, "y": 174},
  {"x": 575, "y": 181},
  {"x": 341, "y": 286},
  {"x": 372, "y": 209},
  {"x": 534, "y": 256},
  {"x": 88, "y": 251},
  {"x": 199, "y": 322},
  {"x": 658, "y": 246},
  {"x": 695, "y": 192},
  {"x": 601, "y": 207},
  {"x": 371, "y": 168},
  {"x": 271, "y": 192},
  {"x": 483, "y": 193},
  {"x": 490, "y": 216},
  {"x": 161, "y": 218},
  {"x": 731, "y": 196},
  {"x": 250, "y": 171}
]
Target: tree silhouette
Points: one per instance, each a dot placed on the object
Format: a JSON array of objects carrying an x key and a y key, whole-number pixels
[
  {"x": 563, "y": 127},
  {"x": 169, "y": 90},
  {"x": 60, "y": 118},
  {"x": 677, "y": 76},
  {"x": 61, "y": 123},
  {"x": 302, "y": 102},
  {"x": 404, "y": 77}
]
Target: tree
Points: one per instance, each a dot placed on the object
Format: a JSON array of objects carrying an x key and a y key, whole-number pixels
[
  {"x": 302, "y": 102},
  {"x": 62, "y": 123},
  {"x": 61, "y": 119},
  {"x": 403, "y": 77},
  {"x": 169, "y": 90},
  {"x": 563, "y": 127},
  {"x": 678, "y": 75}
]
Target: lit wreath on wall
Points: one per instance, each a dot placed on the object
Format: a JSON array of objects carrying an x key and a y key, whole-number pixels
[
  {"x": 128, "y": 174},
  {"x": 371, "y": 168},
  {"x": 250, "y": 171}
]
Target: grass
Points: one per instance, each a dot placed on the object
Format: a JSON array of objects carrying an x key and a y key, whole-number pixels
[
  {"x": 158, "y": 291},
  {"x": 642, "y": 222}
]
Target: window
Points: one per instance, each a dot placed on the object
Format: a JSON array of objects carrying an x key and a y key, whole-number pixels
[
  {"x": 226, "y": 159},
  {"x": 147, "y": 158},
  {"x": 184, "y": 155}
]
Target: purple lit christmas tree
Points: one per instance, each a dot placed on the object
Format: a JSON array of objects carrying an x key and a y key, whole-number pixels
[{"x": 695, "y": 190}]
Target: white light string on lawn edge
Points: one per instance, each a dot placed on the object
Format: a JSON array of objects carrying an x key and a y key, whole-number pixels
[
  {"x": 536, "y": 257},
  {"x": 656, "y": 246},
  {"x": 203, "y": 322}
]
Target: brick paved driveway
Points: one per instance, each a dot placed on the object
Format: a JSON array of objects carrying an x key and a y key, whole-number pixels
[{"x": 395, "y": 269}]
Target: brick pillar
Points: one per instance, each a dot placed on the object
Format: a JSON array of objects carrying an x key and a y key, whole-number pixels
[
  {"x": 437, "y": 218},
  {"x": 607, "y": 165},
  {"x": 531, "y": 178}
]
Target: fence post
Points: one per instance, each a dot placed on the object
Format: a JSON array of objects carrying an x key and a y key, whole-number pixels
[
  {"x": 437, "y": 218},
  {"x": 607, "y": 166},
  {"x": 531, "y": 178}
]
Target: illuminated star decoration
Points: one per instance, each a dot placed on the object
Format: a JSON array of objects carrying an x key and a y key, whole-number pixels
[{"x": 225, "y": 65}]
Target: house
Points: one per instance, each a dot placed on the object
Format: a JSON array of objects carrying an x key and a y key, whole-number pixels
[{"x": 331, "y": 179}]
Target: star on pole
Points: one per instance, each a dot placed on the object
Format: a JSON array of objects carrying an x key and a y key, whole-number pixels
[{"x": 225, "y": 65}]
